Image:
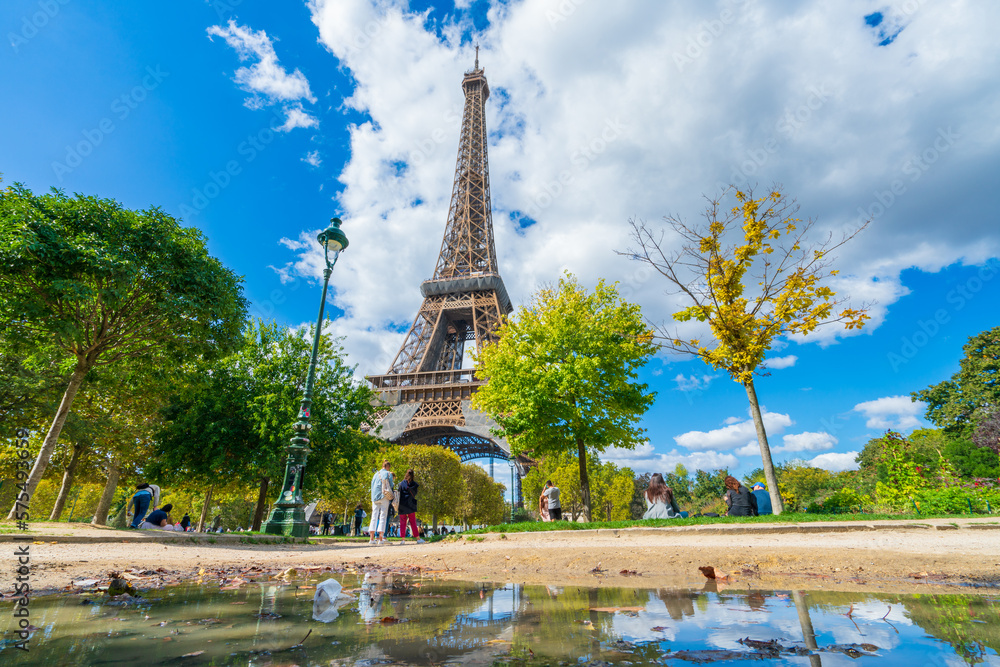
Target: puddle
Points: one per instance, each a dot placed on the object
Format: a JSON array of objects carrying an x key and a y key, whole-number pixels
[{"x": 394, "y": 620}]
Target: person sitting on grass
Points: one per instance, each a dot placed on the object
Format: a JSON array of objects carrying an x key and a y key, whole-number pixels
[
  {"x": 763, "y": 499},
  {"x": 660, "y": 503},
  {"x": 739, "y": 500},
  {"x": 158, "y": 519}
]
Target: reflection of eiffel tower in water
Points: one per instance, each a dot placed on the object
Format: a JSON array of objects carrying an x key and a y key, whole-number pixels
[{"x": 426, "y": 391}]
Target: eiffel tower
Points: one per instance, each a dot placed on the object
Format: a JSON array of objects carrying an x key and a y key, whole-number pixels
[{"x": 426, "y": 392}]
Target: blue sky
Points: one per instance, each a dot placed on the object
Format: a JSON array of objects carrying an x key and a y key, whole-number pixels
[{"x": 257, "y": 124}]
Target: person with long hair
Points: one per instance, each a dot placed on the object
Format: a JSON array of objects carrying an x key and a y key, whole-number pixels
[
  {"x": 408, "y": 507},
  {"x": 737, "y": 498},
  {"x": 543, "y": 508},
  {"x": 659, "y": 497}
]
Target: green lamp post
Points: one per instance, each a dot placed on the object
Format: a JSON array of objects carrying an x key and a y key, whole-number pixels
[{"x": 288, "y": 516}]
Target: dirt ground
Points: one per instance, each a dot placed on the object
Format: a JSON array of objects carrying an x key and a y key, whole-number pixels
[{"x": 915, "y": 557}]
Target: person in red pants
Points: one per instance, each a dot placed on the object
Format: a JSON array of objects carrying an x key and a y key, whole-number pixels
[{"x": 408, "y": 506}]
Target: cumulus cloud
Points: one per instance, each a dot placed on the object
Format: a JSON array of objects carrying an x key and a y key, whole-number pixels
[
  {"x": 835, "y": 461},
  {"x": 645, "y": 458},
  {"x": 266, "y": 79},
  {"x": 733, "y": 435},
  {"x": 891, "y": 412},
  {"x": 781, "y": 362},
  {"x": 806, "y": 442},
  {"x": 749, "y": 449},
  {"x": 583, "y": 110}
]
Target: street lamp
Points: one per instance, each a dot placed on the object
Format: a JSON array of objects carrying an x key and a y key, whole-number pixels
[{"x": 288, "y": 516}]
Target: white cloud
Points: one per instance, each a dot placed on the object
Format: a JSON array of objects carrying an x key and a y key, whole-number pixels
[
  {"x": 694, "y": 383},
  {"x": 583, "y": 110},
  {"x": 835, "y": 461},
  {"x": 312, "y": 157},
  {"x": 734, "y": 435},
  {"x": 776, "y": 363},
  {"x": 891, "y": 412},
  {"x": 749, "y": 449},
  {"x": 266, "y": 79},
  {"x": 806, "y": 442},
  {"x": 645, "y": 458},
  {"x": 295, "y": 117}
]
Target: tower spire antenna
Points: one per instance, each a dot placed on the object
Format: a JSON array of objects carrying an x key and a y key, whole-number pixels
[{"x": 477, "y": 58}]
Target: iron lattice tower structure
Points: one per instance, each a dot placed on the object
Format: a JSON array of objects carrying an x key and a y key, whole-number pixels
[{"x": 425, "y": 394}]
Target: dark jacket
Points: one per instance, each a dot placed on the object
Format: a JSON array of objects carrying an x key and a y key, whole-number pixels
[
  {"x": 408, "y": 497},
  {"x": 739, "y": 502}
]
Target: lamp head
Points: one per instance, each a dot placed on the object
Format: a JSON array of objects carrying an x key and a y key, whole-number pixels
[{"x": 333, "y": 238}]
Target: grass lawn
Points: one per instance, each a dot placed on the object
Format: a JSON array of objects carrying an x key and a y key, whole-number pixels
[{"x": 787, "y": 517}]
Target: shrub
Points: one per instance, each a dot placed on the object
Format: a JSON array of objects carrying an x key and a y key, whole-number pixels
[{"x": 843, "y": 500}]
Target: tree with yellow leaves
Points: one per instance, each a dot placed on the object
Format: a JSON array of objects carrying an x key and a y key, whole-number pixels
[{"x": 752, "y": 276}]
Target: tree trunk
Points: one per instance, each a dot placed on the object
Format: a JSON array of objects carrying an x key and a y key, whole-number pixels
[
  {"x": 584, "y": 479},
  {"x": 765, "y": 451},
  {"x": 204, "y": 511},
  {"x": 435, "y": 518},
  {"x": 52, "y": 437},
  {"x": 104, "y": 506},
  {"x": 67, "y": 482},
  {"x": 258, "y": 515}
]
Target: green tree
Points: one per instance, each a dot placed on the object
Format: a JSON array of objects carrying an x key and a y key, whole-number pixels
[
  {"x": 752, "y": 277},
  {"x": 612, "y": 489},
  {"x": 972, "y": 395},
  {"x": 482, "y": 499},
  {"x": 105, "y": 285},
  {"x": 439, "y": 473},
  {"x": 680, "y": 483},
  {"x": 231, "y": 418},
  {"x": 708, "y": 487},
  {"x": 562, "y": 375},
  {"x": 972, "y": 461}
]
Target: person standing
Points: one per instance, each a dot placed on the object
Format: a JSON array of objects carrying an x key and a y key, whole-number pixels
[
  {"x": 327, "y": 520},
  {"x": 382, "y": 494},
  {"x": 763, "y": 499},
  {"x": 738, "y": 498},
  {"x": 551, "y": 494},
  {"x": 543, "y": 508},
  {"x": 408, "y": 506},
  {"x": 359, "y": 515},
  {"x": 141, "y": 502}
]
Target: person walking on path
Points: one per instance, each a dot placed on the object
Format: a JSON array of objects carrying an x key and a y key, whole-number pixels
[
  {"x": 359, "y": 515},
  {"x": 142, "y": 501},
  {"x": 408, "y": 507},
  {"x": 763, "y": 499},
  {"x": 740, "y": 501},
  {"x": 382, "y": 494},
  {"x": 551, "y": 494},
  {"x": 660, "y": 503}
]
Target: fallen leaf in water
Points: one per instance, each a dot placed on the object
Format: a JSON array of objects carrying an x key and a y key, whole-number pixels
[
  {"x": 389, "y": 619},
  {"x": 659, "y": 628},
  {"x": 191, "y": 655}
]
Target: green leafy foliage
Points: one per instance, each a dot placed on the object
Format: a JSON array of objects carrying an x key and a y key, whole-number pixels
[
  {"x": 99, "y": 284},
  {"x": 972, "y": 393},
  {"x": 562, "y": 375},
  {"x": 231, "y": 418}
]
